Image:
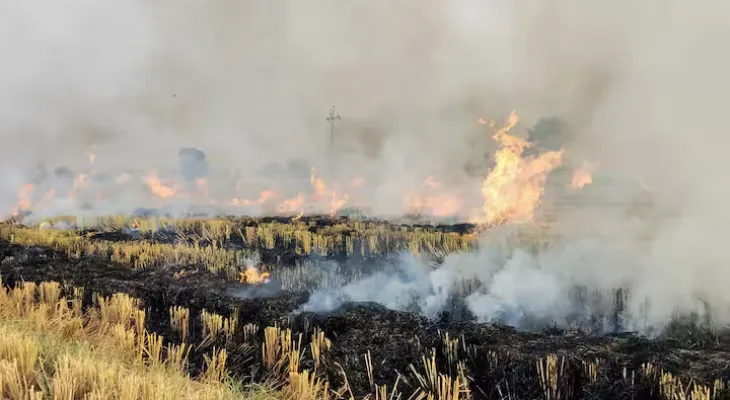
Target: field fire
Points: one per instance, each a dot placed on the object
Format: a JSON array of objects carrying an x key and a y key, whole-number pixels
[
  {"x": 477, "y": 300},
  {"x": 509, "y": 201}
]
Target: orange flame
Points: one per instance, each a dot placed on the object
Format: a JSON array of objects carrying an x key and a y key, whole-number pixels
[
  {"x": 514, "y": 186},
  {"x": 444, "y": 206},
  {"x": 253, "y": 276},
  {"x": 24, "y": 199},
  {"x": 583, "y": 175},
  {"x": 158, "y": 188},
  {"x": 322, "y": 192},
  {"x": 291, "y": 205},
  {"x": 317, "y": 184},
  {"x": 437, "y": 205},
  {"x": 25, "y": 202},
  {"x": 264, "y": 196},
  {"x": 80, "y": 181},
  {"x": 511, "y": 190}
]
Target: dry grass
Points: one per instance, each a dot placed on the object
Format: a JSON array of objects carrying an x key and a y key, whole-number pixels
[
  {"x": 439, "y": 386},
  {"x": 207, "y": 243},
  {"x": 180, "y": 321},
  {"x": 136, "y": 254},
  {"x": 49, "y": 350},
  {"x": 215, "y": 325},
  {"x": 672, "y": 388},
  {"x": 348, "y": 236}
]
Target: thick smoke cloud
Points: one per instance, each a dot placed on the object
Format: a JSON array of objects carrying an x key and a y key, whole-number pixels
[
  {"x": 251, "y": 83},
  {"x": 644, "y": 85}
]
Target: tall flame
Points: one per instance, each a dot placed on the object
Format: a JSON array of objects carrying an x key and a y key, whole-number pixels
[{"x": 514, "y": 186}]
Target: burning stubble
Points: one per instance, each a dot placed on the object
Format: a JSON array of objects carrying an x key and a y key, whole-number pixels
[{"x": 643, "y": 86}]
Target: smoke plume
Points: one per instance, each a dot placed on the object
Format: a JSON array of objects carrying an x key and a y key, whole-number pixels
[{"x": 250, "y": 84}]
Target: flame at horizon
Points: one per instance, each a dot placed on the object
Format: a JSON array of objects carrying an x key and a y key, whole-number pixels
[
  {"x": 158, "y": 188},
  {"x": 323, "y": 193},
  {"x": 435, "y": 203},
  {"x": 515, "y": 184},
  {"x": 510, "y": 192}
]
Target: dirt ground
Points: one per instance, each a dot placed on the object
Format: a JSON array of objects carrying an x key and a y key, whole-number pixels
[{"x": 498, "y": 360}]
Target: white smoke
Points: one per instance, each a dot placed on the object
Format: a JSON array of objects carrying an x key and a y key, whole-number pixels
[
  {"x": 250, "y": 83},
  {"x": 570, "y": 285}
]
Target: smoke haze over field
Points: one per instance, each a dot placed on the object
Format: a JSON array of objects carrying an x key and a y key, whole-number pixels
[
  {"x": 251, "y": 82},
  {"x": 644, "y": 84}
]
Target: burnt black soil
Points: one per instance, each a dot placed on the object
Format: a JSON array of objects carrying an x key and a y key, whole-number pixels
[{"x": 498, "y": 359}]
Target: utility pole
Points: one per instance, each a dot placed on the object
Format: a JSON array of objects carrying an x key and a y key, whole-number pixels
[{"x": 331, "y": 119}]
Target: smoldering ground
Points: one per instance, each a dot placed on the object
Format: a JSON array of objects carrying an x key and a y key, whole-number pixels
[{"x": 579, "y": 284}]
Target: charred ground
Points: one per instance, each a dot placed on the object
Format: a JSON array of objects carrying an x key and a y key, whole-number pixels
[{"x": 371, "y": 345}]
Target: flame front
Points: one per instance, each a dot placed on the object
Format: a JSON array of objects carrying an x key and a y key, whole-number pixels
[
  {"x": 514, "y": 186},
  {"x": 252, "y": 275},
  {"x": 511, "y": 190}
]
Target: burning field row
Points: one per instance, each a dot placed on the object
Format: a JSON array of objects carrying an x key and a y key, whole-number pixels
[
  {"x": 320, "y": 200},
  {"x": 510, "y": 191},
  {"x": 506, "y": 294}
]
